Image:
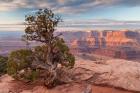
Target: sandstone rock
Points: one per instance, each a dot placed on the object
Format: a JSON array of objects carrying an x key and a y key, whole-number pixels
[
  {"x": 115, "y": 72},
  {"x": 119, "y": 44}
]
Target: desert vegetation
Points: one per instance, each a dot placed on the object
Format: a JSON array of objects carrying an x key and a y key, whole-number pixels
[
  {"x": 43, "y": 62},
  {"x": 3, "y": 65}
]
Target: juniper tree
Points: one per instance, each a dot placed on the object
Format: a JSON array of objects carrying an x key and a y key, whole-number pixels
[{"x": 40, "y": 27}]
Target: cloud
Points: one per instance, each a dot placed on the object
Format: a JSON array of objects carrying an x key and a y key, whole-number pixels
[
  {"x": 9, "y": 5},
  {"x": 65, "y": 6},
  {"x": 130, "y": 3}
]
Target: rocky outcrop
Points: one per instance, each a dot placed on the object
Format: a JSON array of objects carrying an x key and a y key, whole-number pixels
[
  {"x": 119, "y": 44},
  {"x": 113, "y": 72},
  {"x": 118, "y": 38},
  {"x": 102, "y": 39},
  {"x": 86, "y": 75}
]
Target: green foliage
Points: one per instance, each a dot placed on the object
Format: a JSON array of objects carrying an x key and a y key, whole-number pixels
[
  {"x": 19, "y": 60},
  {"x": 41, "y": 50},
  {"x": 71, "y": 59},
  {"x": 27, "y": 64},
  {"x": 60, "y": 54},
  {"x": 31, "y": 75},
  {"x": 40, "y": 26},
  {"x": 3, "y": 64},
  {"x": 65, "y": 58}
]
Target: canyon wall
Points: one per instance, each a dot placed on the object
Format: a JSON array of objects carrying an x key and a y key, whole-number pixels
[{"x": 118, "y": 44}]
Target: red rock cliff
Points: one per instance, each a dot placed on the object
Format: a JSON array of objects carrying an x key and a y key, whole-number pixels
[{"x": 120, "y": 44}]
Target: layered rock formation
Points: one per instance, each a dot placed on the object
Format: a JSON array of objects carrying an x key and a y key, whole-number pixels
[{"x": 119, "y": 44}]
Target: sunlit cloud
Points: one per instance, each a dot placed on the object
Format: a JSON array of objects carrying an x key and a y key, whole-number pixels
[
  {"x": 14, "y": 11},
  {"x": 64, "y": 6}
]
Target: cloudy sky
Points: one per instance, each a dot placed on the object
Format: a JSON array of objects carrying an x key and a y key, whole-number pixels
[{"x": 13, "y": 11}]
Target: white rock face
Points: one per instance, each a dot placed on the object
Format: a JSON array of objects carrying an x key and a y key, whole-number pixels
[{"x": 113, "y": 72}]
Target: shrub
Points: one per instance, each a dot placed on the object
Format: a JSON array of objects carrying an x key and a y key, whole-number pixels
[
  {"x": 19, "y": 60},
  {"x": 3, "y": 64}
]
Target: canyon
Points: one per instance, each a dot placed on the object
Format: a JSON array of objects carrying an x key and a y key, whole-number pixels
[
  {"x": 123, "y": 44},
  {"x": 100, "y": 65}
]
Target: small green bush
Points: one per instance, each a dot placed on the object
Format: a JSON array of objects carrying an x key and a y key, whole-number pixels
[
  {"x": 31, "y": 75},
  {"x": 18, "y": 60},
  {"x": 3, "y": 64}
]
